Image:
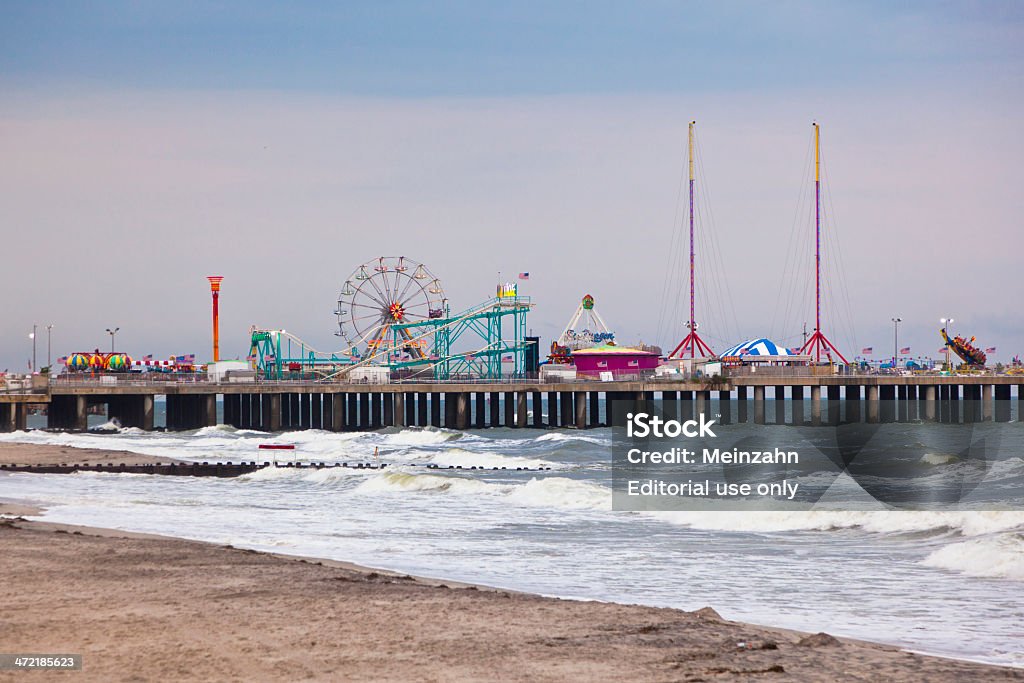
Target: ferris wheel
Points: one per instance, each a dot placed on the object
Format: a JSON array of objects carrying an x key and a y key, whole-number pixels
[{"x": 384, "y": 292}]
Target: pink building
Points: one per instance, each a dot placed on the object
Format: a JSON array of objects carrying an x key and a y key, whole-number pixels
[{"x": 618, "y": 360}]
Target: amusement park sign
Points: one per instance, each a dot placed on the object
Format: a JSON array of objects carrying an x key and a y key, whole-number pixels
[{"x": 586, "y": 336}]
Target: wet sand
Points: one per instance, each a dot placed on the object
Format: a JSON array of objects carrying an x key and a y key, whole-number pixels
[
  {"x": 140, "y": 607},
  {"x": 44, "y": 454}
]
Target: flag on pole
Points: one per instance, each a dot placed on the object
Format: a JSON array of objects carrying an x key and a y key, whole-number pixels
[
  {"x": 524, "y": 276},
  {"x": 905, "y": 351},
  {"x": 990, "y": 349},
  {"x": 148, "y": 356},
  {"x": 868, "y": 350},
  {"x": 62, "y": 360},
  {"x": 942, "y": 350}
]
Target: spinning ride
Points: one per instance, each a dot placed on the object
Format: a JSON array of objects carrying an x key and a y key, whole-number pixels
[{"x": 968, "y": 352}]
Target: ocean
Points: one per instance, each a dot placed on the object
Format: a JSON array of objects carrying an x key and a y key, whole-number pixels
[{"x": 946, "y": 583}]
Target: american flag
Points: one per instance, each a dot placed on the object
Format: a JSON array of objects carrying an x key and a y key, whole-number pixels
[
  {"x": 62, "y": 360},
  {"x": 942, "y": 350},
  {"x": 868, "y": 350},
  {"x": 507, "y": 359},
  {"x": 148, "y": 356},
  {"x": 905, "y": 350},
  {"x": 268, "y": 359},
  {"x": 524, "y": 276},
  {"x": 990, "y": 349}
]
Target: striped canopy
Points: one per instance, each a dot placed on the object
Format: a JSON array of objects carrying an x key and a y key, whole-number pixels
[{"x": 757, "y": 347}]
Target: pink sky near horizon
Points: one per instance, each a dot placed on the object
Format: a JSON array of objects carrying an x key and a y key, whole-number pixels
[{"x": 118, "y": 204}]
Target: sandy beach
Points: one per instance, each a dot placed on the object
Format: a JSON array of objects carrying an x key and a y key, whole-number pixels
[
  {"x": 151, "y": 608},
  {"x": 40, "y": 454}
]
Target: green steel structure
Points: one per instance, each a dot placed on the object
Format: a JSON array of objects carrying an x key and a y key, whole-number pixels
[
  {"x": 276, "y": 354},
  {"x": 486, "y": 336},
  {"x": 479, "y": 342}
]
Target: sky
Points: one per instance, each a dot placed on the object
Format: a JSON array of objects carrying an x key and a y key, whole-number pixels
[{"x": 147, "y": 145}]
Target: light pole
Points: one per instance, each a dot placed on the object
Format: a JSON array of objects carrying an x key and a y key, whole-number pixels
[
  {"x": 945, "y": 328},
  {"x": 895, "y": 340},
  {"x": 49, "y": 328},
  {"x": 32, "y": 336},
  {"x": 112, "y": 332}
]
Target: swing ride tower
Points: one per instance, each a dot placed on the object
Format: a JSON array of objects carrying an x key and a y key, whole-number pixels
[
  {"x": 692, "y": 344},
  {"x": 818, "y": 343}
]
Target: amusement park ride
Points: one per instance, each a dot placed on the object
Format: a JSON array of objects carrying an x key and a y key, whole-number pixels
[
  {"x": 393, "y": 312},
  {"x": 818, "y": 342},
  {"x": 595, "y": 332},
  {"x": 970, "y": 354},
  {"x": 692, "y": 343},
  {"x": 96, "y": 361}
]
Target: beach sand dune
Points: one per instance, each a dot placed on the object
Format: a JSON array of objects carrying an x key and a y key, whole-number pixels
[{"x": 149, "y": 608}]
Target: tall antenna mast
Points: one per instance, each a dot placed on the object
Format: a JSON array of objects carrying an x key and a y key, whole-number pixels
[
  {"x": 692, "y": 342},
  {"x": 818, "y": 340}
]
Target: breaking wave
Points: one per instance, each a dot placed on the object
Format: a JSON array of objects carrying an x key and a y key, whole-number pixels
[
  {"x": 420, "y": 437},
  {"x": 1000, "y": 556},
  {"x": 880, "y": 522},
  {"x": 579, "y": 438},
  {"x": 563, "y": 493},
  {"x": 547, "y": 492},
  {"x": 406, "y": 481}
]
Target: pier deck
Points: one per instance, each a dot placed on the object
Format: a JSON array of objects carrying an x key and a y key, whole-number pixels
[{"x": 287, "y": 405}]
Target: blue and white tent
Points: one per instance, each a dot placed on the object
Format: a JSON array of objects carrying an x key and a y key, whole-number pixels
[{"x": 758, "y": 347}]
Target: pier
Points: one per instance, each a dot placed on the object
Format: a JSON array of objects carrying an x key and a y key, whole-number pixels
[{"x": 282, "y": 406}]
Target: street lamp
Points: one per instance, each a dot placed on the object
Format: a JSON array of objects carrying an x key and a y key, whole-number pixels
[
  {"x": 112, "y": 332},
  {"x": 946, "y": 322},
  {"x": 49, "y": 328},
  {"x": 895, "y": 340},
  {"x": 32, "y": 336}
]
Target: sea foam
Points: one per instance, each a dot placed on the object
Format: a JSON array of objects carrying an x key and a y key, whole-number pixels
[{"x": 998, "y": 556}]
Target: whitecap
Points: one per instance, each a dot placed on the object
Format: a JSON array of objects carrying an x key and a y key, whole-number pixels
[{"x": 997, "y": 556}]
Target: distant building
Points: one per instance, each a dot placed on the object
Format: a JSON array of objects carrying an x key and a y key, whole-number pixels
[{"x": 618, "y": 360}]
